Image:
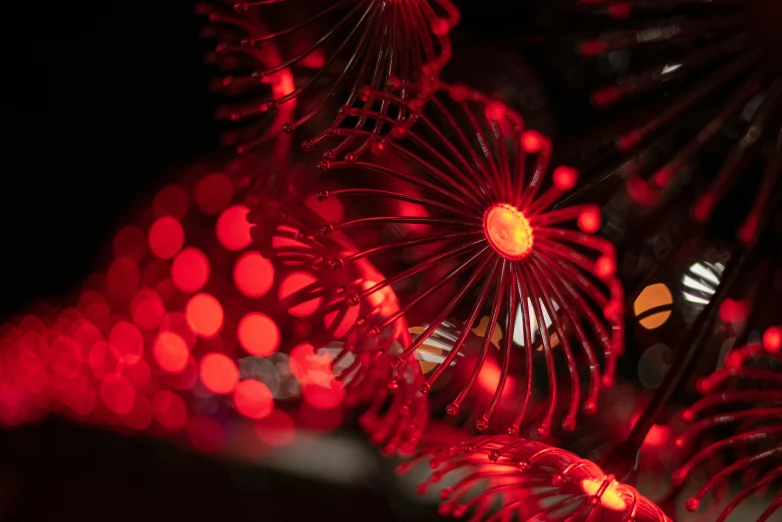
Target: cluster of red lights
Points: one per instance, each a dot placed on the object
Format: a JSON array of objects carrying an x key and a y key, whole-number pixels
[{"x": 156, "y": 342}]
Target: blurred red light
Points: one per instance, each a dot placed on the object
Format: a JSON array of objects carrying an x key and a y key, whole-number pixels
[
  {"x": 233, "y": 229},
  {"x": 166, "y": 237},
  {"x": 253, "y": 274},
  {"x": 169, "y": 409},
  {"x": 131, "y": 242},
  {"x": 123, "y": 277},
  {"x": 277, "y": 429},
  {"x": 258, "y": 334},
  {"x": 170, "y": 352},
  {"x": 214, "y": 193},
  {"x": 126, "y": 342},
  {"x": 219, "y": 374},
  {"x": 253, "y": 399},
  {"x": 190, "y": 270},
  {"x": 170, "y": 201},
  {"x": 204, "y": 315},
  {"x": 117, "y": 393}
]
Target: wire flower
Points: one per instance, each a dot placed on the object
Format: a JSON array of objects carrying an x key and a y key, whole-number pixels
[
  {"x": 533, "y": 481},
  {"x": 742, "y": 409},
  {"x": 332, "y": 50},
  {"x": 717, "y": 65},
  {"x": 397, "y": 413},
  {"x": 460, "y": 220}
]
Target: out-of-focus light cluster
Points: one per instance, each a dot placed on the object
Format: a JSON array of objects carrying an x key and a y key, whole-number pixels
[{"x": 179, "y": 329}]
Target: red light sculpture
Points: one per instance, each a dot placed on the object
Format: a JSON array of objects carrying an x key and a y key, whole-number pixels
[
  {"x": 396, "y": 413},
  {"x": 533, "y": 481},
  {"x": 467, "y": 188},
  {"x": 345, "y": 44},
  {"x": 742, "y": 409},
  {"x": 716, "y": 64}
]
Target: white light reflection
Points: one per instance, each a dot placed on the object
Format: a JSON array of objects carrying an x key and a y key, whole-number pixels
[
  {"x": 701, "y": 281},
  {"x": 518, "y": 329}
]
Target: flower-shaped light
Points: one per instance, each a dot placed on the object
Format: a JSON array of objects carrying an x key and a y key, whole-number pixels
[
  {"x": 457, "y": 211},
  {"x": 328, "y": 50},
  {"x": 533, "y": 481},
  {"x": 742, "y": 409},
  {"x": 714, "y": 68}
]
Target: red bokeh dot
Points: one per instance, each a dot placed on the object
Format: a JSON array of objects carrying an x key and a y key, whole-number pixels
[
  {"x": 204, "y": 315},
  {"x": 117, "y": 393},
  {"x": 605, "y": 267},
  {"x": 190, "y": 270},
  {"x": 131, "y": 242},
  {"x": 214, "y": 193},
  {"x": 294, "y": 283},
  {"x": 126, "y": 342},
  {"x": 253, "y": 399},
  {"x": 186, "y": 379},
  {"x": 589, "y": 220},
  {"x": 253, "y": 274},
  {"x": 772, "y": 339},
  {"x": 169, "y": 409},
  {"x": 233, "y": 229},
  {"x": 565, "y": 177},
  {"x": 258, "y": 334},
  {"x": 219, "y": 374},
  {"x": 123, "y": 277},
  {"x": 147, "y": 310},
  {"x": 532, "y": 141},
  {"x": 166, "y": 237},
  {"x": 177, "y": 322},
  {"x": 170, "y": 201},
  {"x": 277, "y": 429},
  {"x": 170, "y": 352},
  {"x": 101, "y": 360}
]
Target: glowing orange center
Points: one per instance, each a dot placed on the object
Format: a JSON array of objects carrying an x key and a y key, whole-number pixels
[
  {"x": 611, "y": 497},
  {"x": 508, "y": 231}
]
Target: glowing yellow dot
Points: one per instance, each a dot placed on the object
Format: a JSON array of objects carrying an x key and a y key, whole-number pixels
[
  {"x": 508, "y": 231},
  {"x": 611, "y": 498}
]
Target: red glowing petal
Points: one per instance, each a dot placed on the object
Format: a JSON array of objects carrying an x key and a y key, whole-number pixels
[
  {"x": 253, "y": 399},
  {"x": 294, "y": 283},
  {"x": 233, "y": 229},
  {"x": 253, "y": 274},
  {"x": 169, "y": 410},
  {"x": 214, "y": 193},
  {"x": 166, "y": 237},
  {"x": 258, "y": 334},
  {"x": 532, "y": 141},
  {"x": 190, "y": 270},
  {"x": 204, "y": 315},
  {"x": 219, "y": 374},
  {"x": 170, "y": 352},
  {"x": 126, "y": 342},
  {"x": 170, "y": 201}
]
